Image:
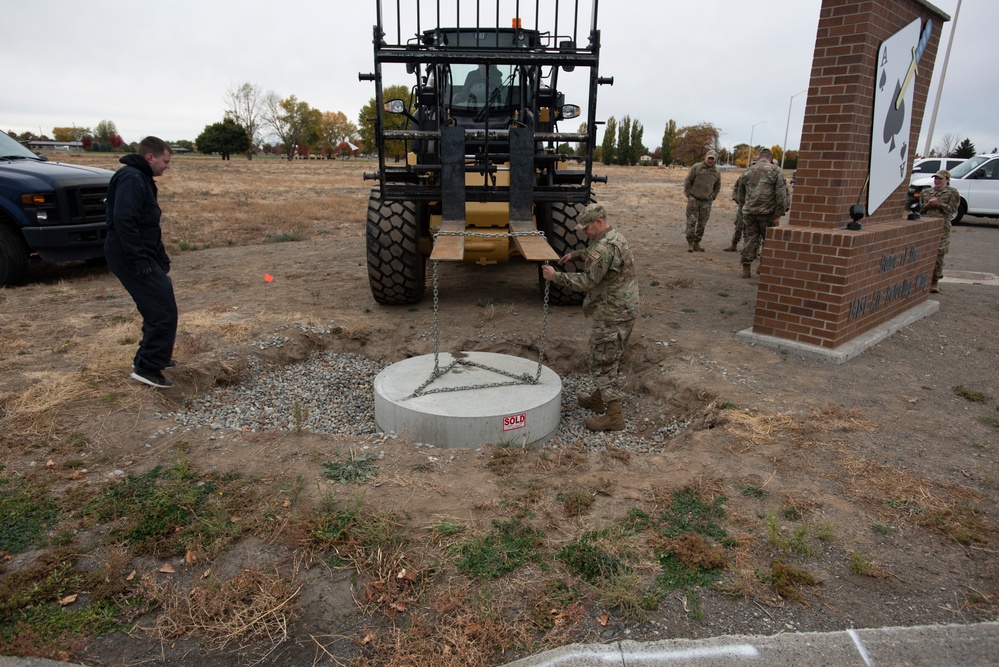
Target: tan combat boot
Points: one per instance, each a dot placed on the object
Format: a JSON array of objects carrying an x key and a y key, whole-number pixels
[
  {"x": 697, "y": 247},
  {"x": 592, "y": 401},
  {"x": 934, "y": 287},
  {"x": 612, "y": 421},
  {"x": 747, "y": 270},
  {"x": 731, "y": 248},
  {"x": 690, "y": 246}
]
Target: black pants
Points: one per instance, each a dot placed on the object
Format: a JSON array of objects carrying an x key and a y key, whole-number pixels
[{"x": 153, "y": 296}]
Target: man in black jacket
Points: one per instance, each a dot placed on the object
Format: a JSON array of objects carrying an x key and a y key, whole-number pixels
[{"x": 135, "y": 253}]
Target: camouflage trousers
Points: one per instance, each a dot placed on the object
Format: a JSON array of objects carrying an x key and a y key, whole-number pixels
[
  {"x": 697, "y": 217},
  {"x": 944, "y": 248},
  {"x": 740, "y": 227},
  {"x": 756, "y": 231},
  {"x": 608, "y": 341}
]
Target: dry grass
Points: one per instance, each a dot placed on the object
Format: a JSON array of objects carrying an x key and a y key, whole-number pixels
[{"x": 252, "y": 608}]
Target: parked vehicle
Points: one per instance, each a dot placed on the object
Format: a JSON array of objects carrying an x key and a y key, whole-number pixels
[
  {"x": 927, "y": 166},
  {"x": 977, "y": 179},
  {"x": 485, "y": 181},
  {"x": 50, "y": 209}
]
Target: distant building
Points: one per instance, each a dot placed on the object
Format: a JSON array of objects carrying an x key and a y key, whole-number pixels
[
  {"x": 179, "y": 149},
  {"x": 54, "y": 146}
]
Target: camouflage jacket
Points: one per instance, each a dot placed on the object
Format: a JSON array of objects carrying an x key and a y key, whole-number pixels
[
  {"x": 702, "y": 182},
  {"x": 765, "y": 192},
  {"x": 948, "y": 199},
  {"x": 608, "y": 277},
  {"x": 739, "y": 190}
]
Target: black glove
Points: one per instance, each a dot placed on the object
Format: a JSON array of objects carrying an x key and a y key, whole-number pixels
[{"x": 144, "y": 270}]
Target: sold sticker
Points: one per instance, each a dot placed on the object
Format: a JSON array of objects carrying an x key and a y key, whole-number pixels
[{"x": 514, "y": 422}]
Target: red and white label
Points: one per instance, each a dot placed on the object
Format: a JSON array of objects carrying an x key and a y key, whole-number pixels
[{"x": 513, "y": 422}]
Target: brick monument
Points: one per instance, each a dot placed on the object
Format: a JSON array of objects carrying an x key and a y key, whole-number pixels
[{"x": 826, "y": 290}]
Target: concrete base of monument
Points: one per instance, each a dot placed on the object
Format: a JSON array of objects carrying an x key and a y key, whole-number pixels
[
  {"x": 849, "y": 349},
  {"x": 471, "y": 413}
]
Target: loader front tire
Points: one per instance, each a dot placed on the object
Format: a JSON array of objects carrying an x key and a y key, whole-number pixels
[{"x": 396, "y": 269}]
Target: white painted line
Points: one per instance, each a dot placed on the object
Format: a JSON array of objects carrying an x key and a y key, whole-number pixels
[{"x": 860, "y": 647}]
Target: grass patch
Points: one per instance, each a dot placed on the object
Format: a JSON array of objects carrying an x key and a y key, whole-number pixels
[
  {"x": 787, "y": 580},
  {"x": 285, "y": 237},
  {"x": 753, "y": 491},
  {"x": 575, "y": 503},
  {"x": 355, "y": 469},
  {"x": 989, "y": 421},
  {"x": 589, "y": 560},
  {"x": 26, "y": 514},
  {"x": 169, "y": 510},
  {"x": 506, "y": 547},
  {"x": 793, "y": 542},
  {"x": 970, "y": 394}
]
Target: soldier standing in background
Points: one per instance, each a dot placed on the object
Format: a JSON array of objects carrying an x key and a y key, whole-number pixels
[
  {"x": 739, "y": 197},
  {"x": 700, "y": 188},
  {"x": 940, "y": 202},
  {"x": 609, "y": 279},
  {"x": 766, "y": 200}
]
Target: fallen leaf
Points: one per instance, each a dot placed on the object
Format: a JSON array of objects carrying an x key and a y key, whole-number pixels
[
  {"x": 472, "y": 628},
  {"x": 69, "y": 599},
  {"x": 398, "y": 606},
  {"x": 206, "y": 573},
  {"x": 603, "y": 618},
  {"x": 189, "y": 557},
  {"x": 369, "y": 636},
  {"x": 50, "y": 464},
  {"x": 286, "y": 503},
  {"x": 131, "y": 575},
  {"x": 167, "y": 568}
]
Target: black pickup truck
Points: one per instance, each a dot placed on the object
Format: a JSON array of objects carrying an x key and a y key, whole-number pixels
[{"x": 50, "y": 209}]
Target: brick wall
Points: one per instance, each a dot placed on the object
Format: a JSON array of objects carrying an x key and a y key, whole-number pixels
[
  {"x": 836, "y": 136},
  {"x": 821, "y": 284},
  {"x": 824, "y": 287}
]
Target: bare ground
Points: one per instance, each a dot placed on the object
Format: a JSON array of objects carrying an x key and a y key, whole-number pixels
[{"x": 884, "y": 473}]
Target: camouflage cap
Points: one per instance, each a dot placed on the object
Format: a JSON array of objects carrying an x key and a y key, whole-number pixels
[
  {"x": 766, "y": 151},
  {"x": 711, "y": 154},
  {"x": 943, "y": 173},
  {"x": 591, "y": 213}
]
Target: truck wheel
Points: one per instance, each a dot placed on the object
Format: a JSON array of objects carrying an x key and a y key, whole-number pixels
[
  {"x": 962, "y": 209},
  {"x": 563, "y": 238},
  {"x": 396, "y": 269},
  {"x": 13, "y": 257}
]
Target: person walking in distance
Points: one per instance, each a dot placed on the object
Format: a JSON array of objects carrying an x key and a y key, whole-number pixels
[
  {"x": 765, "y": 201},
  {"x": 135, "y": 254},
  {"x": 739, "y": 197},
  {"x": 940, "y": 202},
  {"x": 701, "y": 187},
  {"x": 609, "y": 279}
]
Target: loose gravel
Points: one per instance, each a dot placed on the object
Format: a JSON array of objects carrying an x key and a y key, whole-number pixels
[{"x": 334, "y": 393}]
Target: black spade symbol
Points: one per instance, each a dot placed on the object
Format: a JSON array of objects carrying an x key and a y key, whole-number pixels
[{"x": 894, "y": 119}]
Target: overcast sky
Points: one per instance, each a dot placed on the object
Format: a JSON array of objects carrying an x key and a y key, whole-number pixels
[{"x": 163, "y": 68}]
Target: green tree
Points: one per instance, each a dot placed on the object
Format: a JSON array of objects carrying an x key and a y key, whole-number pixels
[
  {"x": 334, "y": 129},
  {"x": 224, "y": 138},
  {"x": 368, "y": 116},
  {"x": 294, "y": 122},
  {"x": 104, "y": 131},
  {"x": 965, "y": 149},
  {"x": 624, "y": 141},
  {"x": 637, "y": 148},
  {"x": 694, "y": 141},
  {"x": 669, "y": 142},
  {"x": 607, "y": 150}
]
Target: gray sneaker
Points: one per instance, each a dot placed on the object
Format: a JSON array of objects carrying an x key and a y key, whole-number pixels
[{"x": 152, "y": 378}]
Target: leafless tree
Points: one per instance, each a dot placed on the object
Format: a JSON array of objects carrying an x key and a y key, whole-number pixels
[
  {"x": 245, "y": 105},
  {"x": 948, "y": 144}
]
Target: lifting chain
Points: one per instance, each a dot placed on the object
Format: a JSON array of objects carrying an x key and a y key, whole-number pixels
[{"x": 524, "y": 378}]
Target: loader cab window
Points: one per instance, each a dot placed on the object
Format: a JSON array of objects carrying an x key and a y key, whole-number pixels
[{"x": 475, "y": 86}]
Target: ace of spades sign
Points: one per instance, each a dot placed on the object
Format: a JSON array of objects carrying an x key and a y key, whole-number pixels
[{"x": 893, "y": 93}]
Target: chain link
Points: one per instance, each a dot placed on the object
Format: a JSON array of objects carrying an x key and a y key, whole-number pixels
[{"x": 523, "y": 379}]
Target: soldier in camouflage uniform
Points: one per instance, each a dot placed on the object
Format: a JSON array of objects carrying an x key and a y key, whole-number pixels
[
  {"x": 765, "y": 201},
  {"x": 940, "y": 202},
  {"x": 739, "y": 197},
  {"x": 700, "y": 188},
  {"x": 610, "y": 282}
]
